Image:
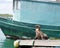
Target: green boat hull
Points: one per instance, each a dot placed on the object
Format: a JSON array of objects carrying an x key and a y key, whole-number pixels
[{"x": 21, "y": 29}]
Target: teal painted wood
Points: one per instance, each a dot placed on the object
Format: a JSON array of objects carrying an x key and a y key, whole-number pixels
[
  {"x": 16, "y": 15},
  {"x": 27, "y": 29},
  {"x": 31, "y": 13},
  {"x": 45, "y": 13}
]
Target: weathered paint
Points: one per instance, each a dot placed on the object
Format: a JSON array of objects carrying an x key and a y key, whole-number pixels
[
  {"x": 40, "y": 13},
  {"x": 46, "y": 13}
]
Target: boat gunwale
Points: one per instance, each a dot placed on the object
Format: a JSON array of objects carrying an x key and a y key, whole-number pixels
[{"x": 46, "y": 2}]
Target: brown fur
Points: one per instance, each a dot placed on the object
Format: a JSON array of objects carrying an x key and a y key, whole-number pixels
[{"x": 40, "y": 34}]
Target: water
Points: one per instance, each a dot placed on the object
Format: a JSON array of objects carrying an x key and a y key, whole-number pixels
[{"x": 7, "y": 43}]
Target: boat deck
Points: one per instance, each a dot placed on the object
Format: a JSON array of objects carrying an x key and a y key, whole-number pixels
[{"x": 39, "y": 43}]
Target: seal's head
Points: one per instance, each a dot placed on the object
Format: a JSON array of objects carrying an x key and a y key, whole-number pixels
[{"x": 37, "y": 27}]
